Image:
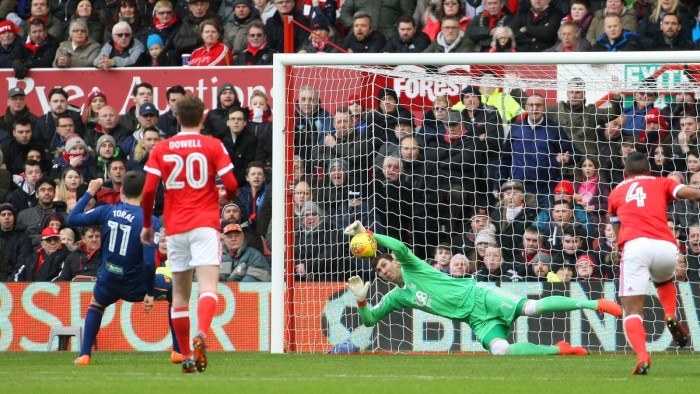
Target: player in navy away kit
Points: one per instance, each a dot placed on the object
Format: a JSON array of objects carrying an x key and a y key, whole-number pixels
[{"x": 127, "y": 271}]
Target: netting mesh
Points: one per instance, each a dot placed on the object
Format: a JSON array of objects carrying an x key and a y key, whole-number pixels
[{"x": 500, "y": 173}]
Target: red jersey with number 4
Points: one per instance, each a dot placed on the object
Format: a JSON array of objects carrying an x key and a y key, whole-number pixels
[
  {"x": 188, "y": 164},
  {"x": 640, "y": 204}
]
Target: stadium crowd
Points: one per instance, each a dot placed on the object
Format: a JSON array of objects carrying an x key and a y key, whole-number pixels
[{"x": 499, "y": 186}]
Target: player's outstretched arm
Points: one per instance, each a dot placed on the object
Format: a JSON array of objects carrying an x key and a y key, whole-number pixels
[
  {"x": 369, "y": 316},
  {"x": 77, "y": 217},
  {"x": 403, "y": 254},
  {"x": 688, "y": 193}
]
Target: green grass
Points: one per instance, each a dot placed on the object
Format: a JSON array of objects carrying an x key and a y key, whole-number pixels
[{"x": 127, "y": 373}]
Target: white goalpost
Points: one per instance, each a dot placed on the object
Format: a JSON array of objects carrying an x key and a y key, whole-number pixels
[{"x": 437, "y": 190}]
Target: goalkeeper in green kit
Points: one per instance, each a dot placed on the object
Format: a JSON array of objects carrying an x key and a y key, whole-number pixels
[{"x": 487, "y": 309}]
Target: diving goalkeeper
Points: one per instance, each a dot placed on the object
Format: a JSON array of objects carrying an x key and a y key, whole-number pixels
[{"x": 487, "y": 309}]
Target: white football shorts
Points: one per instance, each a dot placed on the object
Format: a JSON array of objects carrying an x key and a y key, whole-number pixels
[
  {"x": 645, "y": 258},
  {"x": 200, "y": 246}
]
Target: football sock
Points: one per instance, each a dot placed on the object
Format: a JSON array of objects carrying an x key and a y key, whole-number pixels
[
  {"x": 667, "y": 296},
  {"x": 530, "y": 349},
  {"x": 636, "y": 336},
  {"x": 176, "y": 345},
  {"x": 93, "y": 320},
  {"x": 181, "y": 324},
  {"x": 562, "y": 304},
  {"x": 206, "y": 307}
]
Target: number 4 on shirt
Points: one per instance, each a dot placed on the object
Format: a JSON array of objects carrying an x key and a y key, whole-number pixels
[{"x": 635, "y": 193}]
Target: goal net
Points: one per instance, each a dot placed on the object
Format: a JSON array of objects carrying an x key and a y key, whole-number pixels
[{"x": 497, "y": 169}]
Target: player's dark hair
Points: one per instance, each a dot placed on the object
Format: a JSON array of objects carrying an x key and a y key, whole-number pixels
[
  {"x": 133, "y": 182},
  {"x": 189, "y": 109},
  {"x": 375, "y": 260},
  {"x": 637, "y": 163}
]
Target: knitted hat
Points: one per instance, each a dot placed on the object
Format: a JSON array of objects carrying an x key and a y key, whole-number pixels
[
  {"x": 319, "y": 23},
  {"x": 541, "y": 257},
  {"x": 654, "y": 116},
  {"x": 485, "y": 236},
  {"x": 229, "y": 205},
  {"x": 6, "y": 26},
  {"x": 337, "y": 163},
  {"x": 584, "y": 258},
  {"x": 565, "y": 187},
  {"x": 105, "y": 138},
  {"x": 480, "y": 213},
  {"x": 226, "y": 86},
  {"x": 8, "y": 207},
  {"x": 73, "y": 140},
  {"x": 469, "y": 89},
  {"x": 383, "y": 92},
  {"x": 244, "y": 2},
  {"x": 96, "y": 92},
  {"x": 154, "y": 39}
]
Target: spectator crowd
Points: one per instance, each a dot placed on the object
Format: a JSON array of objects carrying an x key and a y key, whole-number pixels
[{"x": 501, "y": 185}]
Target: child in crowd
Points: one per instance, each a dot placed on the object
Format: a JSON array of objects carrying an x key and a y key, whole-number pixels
[
  {"x": 442, "y": 256},
  {"x": 155, "y": 46}
]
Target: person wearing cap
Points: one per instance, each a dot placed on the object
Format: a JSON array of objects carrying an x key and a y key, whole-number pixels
[
  {"x": 274, "y": 26},
  {"x": 407, "y": 38},
  {"x": 141, "y": 93},
  {"x": 586, "y": 270},
  {"x": 38, "y": 51},
  {"x": 45, "y": 126},
  {"x": 96, "y": 99},
  {"x": 257, "y": 52},
  {"x": 515, "y": 212},
  {"x": 536, "y": 151},
  {"x": 480, "y": 29},
  {"x": 9, "y": 40},
  {"x": 44, "y": 265},
  {"x": 86, "y": 259},
  {"x": 148, "y": 119},
  {"x": 419, "y": 286},
  {"x": 460, "y": 158},
  {"x": 157, "y": 55},
  {"x": 76, "y": 155},
  {"x": 188, "y": 37},
  {"x": 239, "y": 261},
  {"x": 216, "y": 122},
  {"x": 16, "y": 109},
  {"x": 318, "y": 42},
  {"x": 656, "y": 133},
  {"x": 236, "y": 16},
  {"x": 579, "y": 119},
  {"x": 16, "y": 147},
  {"x": 383, "y": 120},
  {"x": 17, "y": 245},
  {"x": 213, "y": 51}
]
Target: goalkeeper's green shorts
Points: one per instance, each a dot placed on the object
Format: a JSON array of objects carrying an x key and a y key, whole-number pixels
[{"x": 494, "y": 312}]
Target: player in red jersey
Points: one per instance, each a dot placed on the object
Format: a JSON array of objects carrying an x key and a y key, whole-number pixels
[
  {"x": 638, "y": 208},
  {"x": 189, "y": 163}
]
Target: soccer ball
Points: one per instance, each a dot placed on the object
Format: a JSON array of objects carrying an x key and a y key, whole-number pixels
[{"x": 363, "y": 245}]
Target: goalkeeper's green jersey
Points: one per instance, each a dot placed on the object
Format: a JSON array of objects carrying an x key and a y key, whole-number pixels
[{"x": 425, "y": 288}]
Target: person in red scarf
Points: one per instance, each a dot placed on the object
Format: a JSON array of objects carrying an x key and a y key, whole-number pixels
[
  {"x": 38, "y": 50},
  {"x": 258, "y": 53},
  {"x": 164, "y": 23},
  {"x": 40, "y": 10},
  {"x": 76, "y": 155},
  {"x": 481, "y": 28},
  {"x": 213, "y": 52}
]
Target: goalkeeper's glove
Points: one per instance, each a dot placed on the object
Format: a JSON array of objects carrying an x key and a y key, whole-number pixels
[
  {"x": 354, "y": 229},
  {"x": 358, "y": 288}
]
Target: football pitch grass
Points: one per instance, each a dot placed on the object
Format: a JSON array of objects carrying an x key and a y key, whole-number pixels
[{"x": 126, "y": 373}]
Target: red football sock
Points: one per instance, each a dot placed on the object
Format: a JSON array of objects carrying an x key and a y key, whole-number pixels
[
  {"x": 667, "y": 296},
  {"x": 181, "y": 325},
  {"x": 636, "y": 336},
  {"x": 206, "y": 307}
]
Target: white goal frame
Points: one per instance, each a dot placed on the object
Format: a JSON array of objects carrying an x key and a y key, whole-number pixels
[{"x": 279, "y": 85}]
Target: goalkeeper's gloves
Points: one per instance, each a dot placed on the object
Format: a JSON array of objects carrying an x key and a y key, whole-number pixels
[
  {"x": 358, "y": 288},
  {"x": 354, "y": 229}
]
